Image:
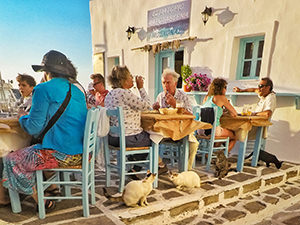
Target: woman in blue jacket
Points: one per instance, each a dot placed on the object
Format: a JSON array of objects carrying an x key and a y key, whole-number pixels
[{"x": 62, "y": 145}]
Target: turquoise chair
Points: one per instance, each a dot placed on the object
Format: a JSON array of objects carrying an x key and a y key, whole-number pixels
[
  {"x": 207, "y": 143},
  {"x": 87, "y": 182},
  {"x": 123, "y": 164}
]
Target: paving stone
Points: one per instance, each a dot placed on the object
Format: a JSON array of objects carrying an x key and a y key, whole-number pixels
[
  {"x": 207, "y": 187},
  {"x": 205, "y": 216},
  {"x": 191, "y": 206},
  {"x": 252, "y": 186},
  {"x": 143, "y": 218},
  {"x": 269, "y": 171},
  {"x": 292, "y": 221},
  {"x": 204, "y": 223},
  {"x": 222, "y": 182},
  {"x": 210, "y": 199},
  {"x": 249, "y": 170},
  {"x": 273, "y": 180},
  {"x": 92, "y": 221},
  {"x": 233, "y": 204},
  {"x": 218, "y": 221},
  {"x": 292, "y": 191},
  {"x": 233, "y": 215},
  {"x": 272, "y": 191},
  {"x": 171, "y": 194},
  {"x": 254, "y": 207},
  {"x": 294, "y": 207},
  {"x": 231, "y": 193},
  {"x": 285, "y": 166},
  {"x": 285, "y": 196},
  {"x": 270, "y": 199},
  {"x": 211, "y": 211},
  {"x": 185, "y": 221},
  {"x": 265, "y": 222},
  {"x": 291, "y": 174},
  {"x": 240, "y": 177},
  {"x": 249, "y": 197}
]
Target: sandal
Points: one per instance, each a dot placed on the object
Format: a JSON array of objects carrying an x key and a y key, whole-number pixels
[
  {"x": 53, "y": 192},
  {"x": 49, "y": 206}
]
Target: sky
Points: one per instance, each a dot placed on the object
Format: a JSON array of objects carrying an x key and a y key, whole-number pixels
[{"x": 31, "y": 28}]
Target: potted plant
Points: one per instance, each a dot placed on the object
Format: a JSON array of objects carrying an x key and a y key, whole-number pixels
[
  {"x": 186, "y": 71},
  {"x": 198, "y": 82}
]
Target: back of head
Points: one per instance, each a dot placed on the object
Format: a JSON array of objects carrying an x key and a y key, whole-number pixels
[
  {"x": 169, "y": 71},
  {"x": 118, "y": 75},
  {"x": 27, "y": 78},
  {"x": 57, "y": 64},
  {"x": 217, "y": 86}
]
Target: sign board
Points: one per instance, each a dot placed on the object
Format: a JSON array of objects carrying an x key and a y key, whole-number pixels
[{"x": 169, "y": 21}]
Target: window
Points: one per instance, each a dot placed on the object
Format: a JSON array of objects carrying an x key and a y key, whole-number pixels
[{"x": 250, "y": 56}]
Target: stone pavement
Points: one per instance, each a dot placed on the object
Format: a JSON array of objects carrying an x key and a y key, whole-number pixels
[{"x": 258, "y": 195}]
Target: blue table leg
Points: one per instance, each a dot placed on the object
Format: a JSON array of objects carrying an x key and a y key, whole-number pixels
[
  {"x": 257, "y": 145},
  {"x": 155, "y": 163},
  {"x": 184, "y": 163},
  {"x": 241, "y": 156}
]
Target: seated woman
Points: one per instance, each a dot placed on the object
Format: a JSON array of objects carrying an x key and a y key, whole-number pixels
[
  {"x": 216, "y": 98},
  {"x": 63, "y": 143},
  {"x": 121, "y": 81}
]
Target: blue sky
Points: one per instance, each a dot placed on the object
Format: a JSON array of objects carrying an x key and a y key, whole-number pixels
[{"x": 30, "y": 28}]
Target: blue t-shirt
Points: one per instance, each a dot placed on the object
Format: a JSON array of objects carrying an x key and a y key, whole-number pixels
[
  {"x": 66, "y": 135},
  {"x": 209, "y": 103}
]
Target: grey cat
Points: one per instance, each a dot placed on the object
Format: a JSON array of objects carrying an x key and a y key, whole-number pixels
[{"x": 222, "y": 166}]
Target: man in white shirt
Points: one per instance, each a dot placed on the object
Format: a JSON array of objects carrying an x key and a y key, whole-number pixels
[
  {"x": 172, "y": 97},
  {"x": 267, "y": 103}
]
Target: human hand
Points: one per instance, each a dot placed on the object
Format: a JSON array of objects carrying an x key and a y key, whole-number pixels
[
  {"x": 156, "y": 106},
  {"x": 139, "y": 82},
  {"x": 236, "y": 89},
  {"x": 170, "y": 100}
]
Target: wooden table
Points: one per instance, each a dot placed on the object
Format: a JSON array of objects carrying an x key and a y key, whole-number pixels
[
  {"x": 241, "y": 125},
  {"x": 176, "y": 127},
  {"x": 12, "y": 136}
]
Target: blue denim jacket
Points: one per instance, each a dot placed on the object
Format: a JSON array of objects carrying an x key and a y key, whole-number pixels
[{"x": 66, "y": 135}]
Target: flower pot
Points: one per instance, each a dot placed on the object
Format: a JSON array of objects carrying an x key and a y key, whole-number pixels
[{"x": 187, "y": 88}]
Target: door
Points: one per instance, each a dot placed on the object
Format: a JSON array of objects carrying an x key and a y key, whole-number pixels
[{"x": 163, "y": 60}]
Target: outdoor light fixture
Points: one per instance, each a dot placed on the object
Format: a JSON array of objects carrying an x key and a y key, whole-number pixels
[
  {"x": 205, "y": 14},
  {"x": 130, "y": 31}
]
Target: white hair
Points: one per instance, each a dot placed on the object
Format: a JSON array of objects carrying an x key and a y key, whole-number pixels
[{"x": 168, "y": 71}]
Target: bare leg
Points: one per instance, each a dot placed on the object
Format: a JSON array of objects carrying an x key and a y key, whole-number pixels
[
  {"x": 192, "y": 153},
  {"x": 227, "y": 133},
  {"x": 3, "y": 195}
]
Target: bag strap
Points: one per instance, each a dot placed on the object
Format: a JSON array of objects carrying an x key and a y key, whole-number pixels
[{"x": 56, "y": 116}]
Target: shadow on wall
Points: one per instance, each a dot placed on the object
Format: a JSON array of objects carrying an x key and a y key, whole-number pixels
[
  {"x": 282, "y": 142},
  {"x": 190, "y": 46}
]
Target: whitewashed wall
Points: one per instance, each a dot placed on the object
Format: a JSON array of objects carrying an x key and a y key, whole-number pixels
[{"x": 217, "y": 49}]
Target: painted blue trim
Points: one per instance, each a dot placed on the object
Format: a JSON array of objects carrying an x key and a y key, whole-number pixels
[{"x": 253, "y": 60}]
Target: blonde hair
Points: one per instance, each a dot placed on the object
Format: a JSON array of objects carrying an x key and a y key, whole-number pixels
[
  {"x": 168, "y": 71},
  {"x": 118, "y": 75}
]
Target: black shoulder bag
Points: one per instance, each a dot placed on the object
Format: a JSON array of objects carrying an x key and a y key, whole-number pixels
[{"x": 54, "y": 118}]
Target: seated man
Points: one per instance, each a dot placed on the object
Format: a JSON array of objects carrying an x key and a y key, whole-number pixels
[
  {"x": 26, "y": 84},
  {"x": 267, "y": 103},
  {"x": 99, "y": 86},
  {"x": 172, "y": 97}
]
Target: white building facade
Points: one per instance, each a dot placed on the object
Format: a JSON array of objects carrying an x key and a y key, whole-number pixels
[{"x": 242, "y": 41}]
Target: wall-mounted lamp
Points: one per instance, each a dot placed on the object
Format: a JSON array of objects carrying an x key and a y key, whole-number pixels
[
  {"x": 130, "y": 31},
  {"x": 206, "y": 14}
]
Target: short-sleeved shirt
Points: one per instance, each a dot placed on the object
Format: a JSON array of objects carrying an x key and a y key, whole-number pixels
[
  {"x": 132, "y": 107},
  {"x": 266, "y": 103},
  {"x": 179, "y": 95}
]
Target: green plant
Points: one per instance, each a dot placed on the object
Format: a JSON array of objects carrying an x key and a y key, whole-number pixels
[{"x": 186, "y": 71}]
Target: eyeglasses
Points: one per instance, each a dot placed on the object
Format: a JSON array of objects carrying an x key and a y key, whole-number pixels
[
  {"x": 94, "y": 84},
  {"x": 262, "y": 85}
]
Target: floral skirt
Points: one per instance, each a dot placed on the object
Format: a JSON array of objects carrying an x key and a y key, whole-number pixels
[{"x": 19, "y": 167}]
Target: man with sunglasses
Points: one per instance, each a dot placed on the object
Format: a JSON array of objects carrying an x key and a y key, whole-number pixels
[
  {"x": 99, "y": 86},
  {"x": 267, "y": 102}
]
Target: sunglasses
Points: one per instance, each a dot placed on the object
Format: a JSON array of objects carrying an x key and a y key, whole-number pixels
[
  {"x": 262, "y": 85},
  {"x": 94, "y": 84}
]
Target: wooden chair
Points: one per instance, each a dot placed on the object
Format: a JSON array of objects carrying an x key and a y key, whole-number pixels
[
  {"x": 123, "y": 164},
  {"x": 207, "y": 142},
  {"x": 87, "y": 182}
]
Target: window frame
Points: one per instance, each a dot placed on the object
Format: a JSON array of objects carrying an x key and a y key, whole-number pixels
[{"x": 241, "y": 57}]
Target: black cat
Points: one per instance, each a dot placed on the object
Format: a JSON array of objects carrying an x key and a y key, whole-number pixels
[{"x": 267, "y": 158}]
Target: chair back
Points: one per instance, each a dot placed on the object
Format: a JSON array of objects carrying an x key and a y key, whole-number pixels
[
  {"x": 90, "y": 139},
  {"x": 208, "y": 115}
]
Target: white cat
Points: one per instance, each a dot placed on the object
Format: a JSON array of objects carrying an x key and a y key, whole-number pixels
[
  {"x": 135, "y": 191},
  {"x": 187, "y": 179}
]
